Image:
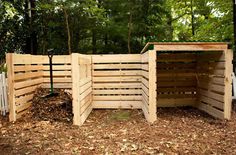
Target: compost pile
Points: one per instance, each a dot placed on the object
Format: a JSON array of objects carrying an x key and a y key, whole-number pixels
[{"x": 54, "y": 108}]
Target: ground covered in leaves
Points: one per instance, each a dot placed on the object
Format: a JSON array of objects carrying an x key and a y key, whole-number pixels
[
  {"x": 113, "y": 132},
  {"x": 177, "y": 131}
]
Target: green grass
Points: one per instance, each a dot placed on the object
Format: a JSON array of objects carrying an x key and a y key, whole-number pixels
[{"x": 120, "y": 115}]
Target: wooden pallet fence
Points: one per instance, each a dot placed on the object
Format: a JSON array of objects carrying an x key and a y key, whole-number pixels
[
  {"x": 3, "y": 94},
  {"x": 117, "y": 81},
  {"x": 61, "y": 71},
  {"x": 81, "y": 87},
  {"x": 176, "y": 81},
  {"x": 195, "y": 74},
  {"x": 25, "y": 74},
  {"x": 148, "y": 83}
]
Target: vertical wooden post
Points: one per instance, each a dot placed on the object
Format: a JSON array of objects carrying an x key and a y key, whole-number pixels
[
  {"x": 228, "y": 83},
  {"x": 152, "y": 86},
  {"x": 11, "y": 90},
  {"x": 75, "y": 88}
]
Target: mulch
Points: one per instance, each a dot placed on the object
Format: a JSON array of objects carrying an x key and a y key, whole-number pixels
[
  {"x": 52, "y": 108},
  {"x": 176, "y": 131}
]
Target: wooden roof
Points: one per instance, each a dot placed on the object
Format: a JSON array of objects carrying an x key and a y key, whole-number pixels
[{"x": 187, "y": 46}]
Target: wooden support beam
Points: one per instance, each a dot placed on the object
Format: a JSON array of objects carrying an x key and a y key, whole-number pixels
[
  {"x": 75, "y": 88},
  {"x": 228, "y": 84},
  {"x": 11, "y": 90},
  {"x": 152, "y": 86}
]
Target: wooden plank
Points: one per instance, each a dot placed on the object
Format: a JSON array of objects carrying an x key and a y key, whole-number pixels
[
  {"x": 212, "y": 102},
  {"x": 116, "y": 66},
  {"x": 58, "y": 79},
  {"x": 57, "y": 73},
  {"x": 75, "y": 90},
  {"x": 85, "y": 86},
  {"x": 117, "y": 91},
  {"x": 145, "y": 82},
  {"x": 85, "y": 115},
  {"x": 176, "y": 96},
  {"x": 176, "y": 83},
  {"x": 85, "y": 80},
  {"x": 211, "y": 111},
  {"x": 58, "y": 85},
  {"x": 177, "y": 89},
  {"x": 85, "y": 100},
  {"x": 116, "y": 85},
  {"x": 23, "y": 84},
  {"x": 22, "y": 107},
  {"x": 62, "y": 67},
  {"x": 228, "y": 84},
  {"x": 118, "y": 98},
  {"x": 26, "y": 68},
  {"x": 116, "y": 73},
  {"x": 189, "y": 47},
  {"x": 210, "y": 94},
  {"x": 28, "y": 75},
  {"x": 117, "y": 104},
  {"x": 116, "y": 58},
  {"x": 176, "y": 102},
  {"x": 85, "y": 93},
  {"x": 86, "y": 105},
  {"x": 23, "y": 91},
  {"x": 145, "y": 57},
  {"x": 145, "y": 67},
  {"x": 145, "y": 74},
  {"x": 24, "y": 99},
  {"x": 118, "y": 79},
  {"x": 152, "y": 86},
  {"x": 212, "y": 87},
  {"x": 11, "y": 91}
]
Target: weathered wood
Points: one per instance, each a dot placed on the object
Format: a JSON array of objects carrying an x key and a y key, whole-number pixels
[{"x": 117, "y": 104}]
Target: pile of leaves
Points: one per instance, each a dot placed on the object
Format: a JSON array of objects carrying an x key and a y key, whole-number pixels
[{"x": 52, "y": 108}]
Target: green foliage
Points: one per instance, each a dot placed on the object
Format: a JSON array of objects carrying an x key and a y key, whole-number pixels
[{"x": 102, "y": 26}]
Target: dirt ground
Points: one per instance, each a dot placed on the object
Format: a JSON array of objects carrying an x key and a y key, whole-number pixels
[{"x": 177, "y": 130}]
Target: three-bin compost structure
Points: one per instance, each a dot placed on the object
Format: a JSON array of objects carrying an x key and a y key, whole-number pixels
[{"x": 164, "y": 74}]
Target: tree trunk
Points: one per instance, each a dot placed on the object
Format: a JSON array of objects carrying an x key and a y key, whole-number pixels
[
  {"x": 129, "y": 33},
  {"x": 94, "y": 41},
  {"x": 192, "y": 16},
  {"x": 68, "y": 30}
]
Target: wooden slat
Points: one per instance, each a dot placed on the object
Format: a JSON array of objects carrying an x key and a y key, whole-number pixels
[
  {"x": 176, "y": 102},
  {"x": 116, "y": 58},
  {"x": 62, "y": 67},
  {"x": 85, "y": 86},
  {"x": 26, "y": 68},
  {"x": 117, "y": 104},
  {"x": 211, "y": 111},
  {"x": 23, "y": 107},
  {"x": 211, "y": 102},
  {"x": 117, "y": 79},
  {"x": 25, "y": 91},
  {"x": 118, "y": 98},
  {"x": 58, "y": 79},
  {"x": 117, "y": 91},
  {"x": 177, "y": 89},
  {"x": 57, "y": 73},
  {"x": 190, "y": 47},
  {"x": 58, "y": 85},
  {"x": 28, "y": 83},
  {"x": 116, "y": 73},
  {"x": 85, "y": 93},
  {"x": 176, "y": 96},
  {"x": 176, "y": 83},
  {"x": 116, "y": 66},
  {"x": 28, "y": 75},
  {"x": 24, "y": 99},
  {"x": 116, "y": 85}
]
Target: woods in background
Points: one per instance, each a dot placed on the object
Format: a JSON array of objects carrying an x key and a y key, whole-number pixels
[{"x": 109, "y": 26}]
